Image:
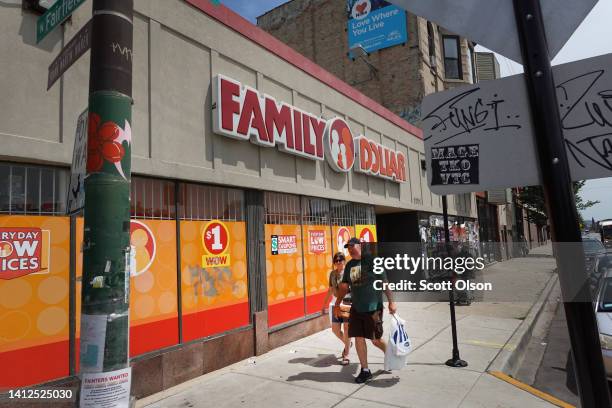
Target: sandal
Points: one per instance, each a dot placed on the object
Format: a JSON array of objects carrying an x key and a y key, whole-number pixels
[{"x": 345, "y": 361}]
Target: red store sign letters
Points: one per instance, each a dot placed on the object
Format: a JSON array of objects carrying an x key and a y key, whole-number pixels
[{"x": 243, "y": 113}]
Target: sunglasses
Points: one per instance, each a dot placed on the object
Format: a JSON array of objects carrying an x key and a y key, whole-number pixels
[{"x": 338, "y": 260}]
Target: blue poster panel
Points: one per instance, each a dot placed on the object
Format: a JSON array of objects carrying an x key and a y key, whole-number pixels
[{"x": 375, "y": 24}]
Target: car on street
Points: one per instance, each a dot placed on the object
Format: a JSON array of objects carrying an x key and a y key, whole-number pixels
[
  {"x": 596, "y": 259},
  {"x": 603, "y": 309},
  {"x": 606, "y": 233}
]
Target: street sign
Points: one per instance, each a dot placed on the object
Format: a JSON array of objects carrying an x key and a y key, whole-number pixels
[
  {"x": 79, "y": 44},
  {"x": 54, "y": 16},
  {"x": 71, "y": 52},
  {"x": 584, "y": 95},
  {"x": 475, "y": 19},
  {"x": 481, "y": 136},
  {"x": 76, "y": 189}
]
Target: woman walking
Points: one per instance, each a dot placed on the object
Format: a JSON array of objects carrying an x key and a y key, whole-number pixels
[{"x": 339, "y": 325}]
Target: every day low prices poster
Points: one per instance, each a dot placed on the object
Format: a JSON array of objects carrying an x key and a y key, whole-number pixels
[
  {"x": 213, "y": 277},
  {"x": 153, "y": 287},
  {"x": 317, "y": 261},
  {"x": 284, "y": 270},
  {"x": 34, "y": 299}
]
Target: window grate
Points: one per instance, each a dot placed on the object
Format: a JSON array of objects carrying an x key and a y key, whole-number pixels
[
  {"x": 282, "y": 208},
  {"x": 201, "y": 202},
  {"x": 152, "y": 199},
  {"x": 32, "y": 190},
  {"x": 315, "y": 211}
]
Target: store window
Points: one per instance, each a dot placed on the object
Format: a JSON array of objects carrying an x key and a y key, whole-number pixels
[
  {"x": 285, "y": 263},
  {"x": 452, "y": 57},
  {"x": 282, "y": 208},
  {"x": 152, "y": 199},
  {"x": 431, "y": 44},
  {"x": 214, "y": 285},
  {"x": 317, "y": 251},
  {"x": 32, "y": 190},
  {"x": 33, "y": 328},
  {"x": 202, "y": 202}
]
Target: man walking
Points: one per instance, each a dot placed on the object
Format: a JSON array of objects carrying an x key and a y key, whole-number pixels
[{"x": 365, "y": 321}]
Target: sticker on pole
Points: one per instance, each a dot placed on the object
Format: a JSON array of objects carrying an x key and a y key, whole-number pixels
[
  {"x": 216, "y": 240},
  {"x": 110, "y": 389}
]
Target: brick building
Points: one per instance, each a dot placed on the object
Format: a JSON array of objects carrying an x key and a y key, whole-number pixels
[{"x": 397, "y": 77}]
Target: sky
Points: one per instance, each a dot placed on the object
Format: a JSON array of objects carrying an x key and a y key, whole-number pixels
[{"x": 592, "y": 38}]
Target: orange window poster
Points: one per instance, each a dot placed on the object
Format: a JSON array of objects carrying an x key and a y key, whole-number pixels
[
  {"x": 317, "y": 263},
  {"x": 153, "y": 286},
  {"x": 34, "y": 299},
  {"x": 284, "y": 271},
  {"x": 213, "y": 277},
  {"x": 341, "y": 235}
]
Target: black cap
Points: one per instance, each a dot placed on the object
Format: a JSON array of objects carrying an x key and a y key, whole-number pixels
[{"x": 352, "y": 241}]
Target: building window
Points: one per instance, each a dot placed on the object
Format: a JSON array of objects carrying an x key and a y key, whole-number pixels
[
  {"x": 315, "y": 211},
  {"x": 32, "y": 190},
  {"x": 430, "y": 42},
  {"x": 282, "y": 208},
  {"x": 152, "y": 199},
  {"x": 201, "y": 202},
  {"x": 452, "y": 57}
]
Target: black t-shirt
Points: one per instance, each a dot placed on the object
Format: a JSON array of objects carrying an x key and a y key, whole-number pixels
[{"x": 360, "y": 276}]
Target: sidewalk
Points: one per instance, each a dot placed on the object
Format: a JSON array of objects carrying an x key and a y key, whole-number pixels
[
  {"x": 307, "y": 372},
  {"x": 542, "y": 251}
]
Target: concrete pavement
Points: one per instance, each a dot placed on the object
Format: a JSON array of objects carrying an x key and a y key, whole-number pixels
[{"x": 307, "y": 372}]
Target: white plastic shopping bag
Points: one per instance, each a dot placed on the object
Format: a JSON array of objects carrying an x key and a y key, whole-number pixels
[
  {"x": 398, "y": 346},
  {"x": 398, "y": 338}
]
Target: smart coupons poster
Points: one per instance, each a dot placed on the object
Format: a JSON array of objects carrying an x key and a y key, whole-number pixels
[{"x": 285, "y": 273}]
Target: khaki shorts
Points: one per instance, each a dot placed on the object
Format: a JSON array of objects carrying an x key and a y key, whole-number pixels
[{"x": 368, "y": 325}]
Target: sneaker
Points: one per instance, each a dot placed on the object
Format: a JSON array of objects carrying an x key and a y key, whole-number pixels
[{"x": 363, "y": 376}]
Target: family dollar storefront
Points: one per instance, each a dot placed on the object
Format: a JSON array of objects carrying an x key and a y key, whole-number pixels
[{"x": 252, "y": 166}]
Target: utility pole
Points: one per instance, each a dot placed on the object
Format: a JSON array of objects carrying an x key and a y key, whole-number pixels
[
  {"x": 455, "y": 360},
  {"x": 559, "y": 194},
  {"x": 106, "y": 246}
]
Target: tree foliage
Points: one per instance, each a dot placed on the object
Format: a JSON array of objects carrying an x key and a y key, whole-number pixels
[{"x": 532, "y": 198}]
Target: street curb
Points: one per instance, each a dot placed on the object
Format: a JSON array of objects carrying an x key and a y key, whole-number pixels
[{"x": 509, "y": 358}]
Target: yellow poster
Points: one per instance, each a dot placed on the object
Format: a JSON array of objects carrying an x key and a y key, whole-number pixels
[{"x": 366, "y": 233}]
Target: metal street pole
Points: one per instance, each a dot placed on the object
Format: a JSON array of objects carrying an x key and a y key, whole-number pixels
[
  {"x": 559, "y": 195},
  {"x": 456, "y": 360},
  {"x": 106, "y": 246}
]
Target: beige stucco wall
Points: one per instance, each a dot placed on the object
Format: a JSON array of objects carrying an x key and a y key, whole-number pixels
[{"x": 177, "y": 52}]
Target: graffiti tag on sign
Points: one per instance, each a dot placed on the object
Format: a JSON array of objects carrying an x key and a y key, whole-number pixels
[
  {"x": 216, "y": 242},
  {"x": 283, "y": 244},
  {"x": 454, "y": 165},
  {"x": 317, "y": 243},
  {"x": 23, "y": 252}
]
